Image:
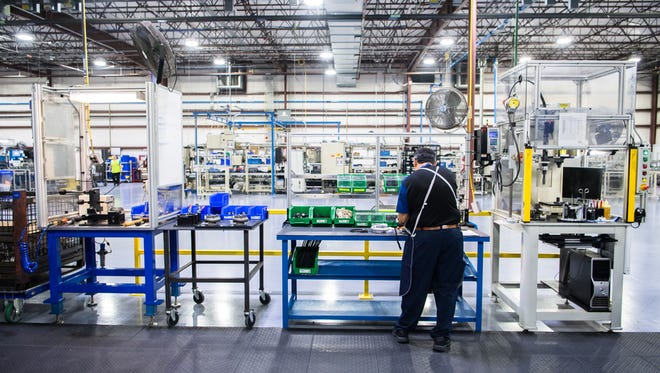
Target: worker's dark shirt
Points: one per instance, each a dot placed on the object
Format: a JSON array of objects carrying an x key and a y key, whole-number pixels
[{"x": 441, "y": 206}]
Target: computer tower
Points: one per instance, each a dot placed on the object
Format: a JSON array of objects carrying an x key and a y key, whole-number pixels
[{"x": 584, "y": 278}]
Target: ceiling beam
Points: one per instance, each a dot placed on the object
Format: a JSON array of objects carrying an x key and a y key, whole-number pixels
[
  {"x": 73, "y": 26},
  {"x": 437, "y": 25},
  {"x": 336, "y": 17}
]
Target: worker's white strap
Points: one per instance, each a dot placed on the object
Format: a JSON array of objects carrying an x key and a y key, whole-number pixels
[
  {"x": 426, "y": 197},
  {"x": 446, "y": 182}
]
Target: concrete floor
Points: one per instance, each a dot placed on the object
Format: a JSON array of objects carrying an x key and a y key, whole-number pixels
[{"x": 223, "y": 305}]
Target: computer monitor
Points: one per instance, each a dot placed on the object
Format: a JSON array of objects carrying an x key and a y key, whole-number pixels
[{"x": 581, "y": 182}]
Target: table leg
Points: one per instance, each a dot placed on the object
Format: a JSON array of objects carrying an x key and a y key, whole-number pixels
[
  {"x": 285, "y": 284},
  {"x": 150, "y": 300},
  {"x": 55, "y": 274},
  {"x": 261, "y": 258},
  {"x": 246, "y": 269},
  {"x": 168, "y": 278},
  {"x": 480, "y": 280},
  {"x": 193, "y": 258}
]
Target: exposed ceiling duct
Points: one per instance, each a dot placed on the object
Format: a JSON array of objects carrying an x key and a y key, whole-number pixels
[{"x": 345, "y": 39}]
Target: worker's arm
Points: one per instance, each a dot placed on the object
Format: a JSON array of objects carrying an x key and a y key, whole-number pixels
[{"x": 402, "y": 218}]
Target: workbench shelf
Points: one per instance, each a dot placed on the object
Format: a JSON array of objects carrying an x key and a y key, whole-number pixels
[{"x": 388, "y": 308}]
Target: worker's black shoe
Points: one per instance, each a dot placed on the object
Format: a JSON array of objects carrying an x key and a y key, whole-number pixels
[
  {"x": 400, "y": 335},
  {"x": 441, "y": 344}
]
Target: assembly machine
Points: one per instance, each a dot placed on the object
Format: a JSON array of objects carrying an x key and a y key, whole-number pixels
[
  {"x": 69, "y": 207},
  {"x": 558, "y": 121}
]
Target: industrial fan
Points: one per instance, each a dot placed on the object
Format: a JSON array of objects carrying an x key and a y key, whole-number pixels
[
  {"x": 446, "y": 108},
  {"x": 154, "y": 49}
]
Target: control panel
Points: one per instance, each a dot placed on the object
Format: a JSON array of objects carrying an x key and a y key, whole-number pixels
[{"x": 643, "y": 169}]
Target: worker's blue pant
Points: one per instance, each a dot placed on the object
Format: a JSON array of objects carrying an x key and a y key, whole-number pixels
[{"x": 432, "y": 260}]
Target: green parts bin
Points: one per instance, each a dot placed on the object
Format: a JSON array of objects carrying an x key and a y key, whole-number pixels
[
  {"x": 300, "y": 215},
  {"x": 344, "y": 215},
  {"x": 358, "y": 183},
  {"x": 344, "y": 183},
  {"x": 392, "y": 182},
  {"x": 306, "y": 260},
  {"x": 322, "y": 215},
  {"x": 362, "y": 218}
]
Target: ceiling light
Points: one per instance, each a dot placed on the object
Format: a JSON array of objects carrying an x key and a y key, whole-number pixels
[
  {"x": 314, "y": 2},
  {"x": 219, "y": 61},
  {"x": 191, "y": 43},
  {"x": 330, "y": 72},
  {"x": 24, "y": 36},
  {"x": 446, "y": 42},
  {"x": 564, "y": 40},
  {"x": 428, "y": 61},
  {"x": 100, "y": 62},
  {"x": 524, "y": 59},
  {"x": 326, "y": 55},
  {"x": 634, "y": 59}
]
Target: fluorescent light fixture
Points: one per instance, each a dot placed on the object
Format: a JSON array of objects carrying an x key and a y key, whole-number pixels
[
  {"x": 428, "y": 61},
  {"x": 330, "y": 72},
  {"x": 97, "y": 97},
  {"x": 634, "y": 59},
  {"x": 524, "y": 59},
  {"x": 564, "y": 40},
  {"x": 24, "y": 36},
  {"x": 326, "y": 55},
  {"x": 219, "y": 61},
  {"x": 445, "y": 42},
  {"x": 314, "y": 2},
  {"x": 100, "y": 62},
  {"x": 191, "y": 43}
]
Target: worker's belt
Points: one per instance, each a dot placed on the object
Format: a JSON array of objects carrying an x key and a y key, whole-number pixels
[{"x": 447, "y": 226}]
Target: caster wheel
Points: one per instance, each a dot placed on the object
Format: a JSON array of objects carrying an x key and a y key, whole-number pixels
[
  {"x": 264, "y": 298},
  {"x": 12, "y": 313},
  {"x": 250, "y": 319},
  {"x": 198, "y": 297},
  {"x": 172, "y": 318}
]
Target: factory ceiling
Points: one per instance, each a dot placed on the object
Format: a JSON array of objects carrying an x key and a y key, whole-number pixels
[{"x": 288, "y": 36}]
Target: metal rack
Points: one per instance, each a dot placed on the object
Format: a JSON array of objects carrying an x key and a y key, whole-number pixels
[
  {"x": 18, "y": 224},
  {"x": 174, "y": 270}
]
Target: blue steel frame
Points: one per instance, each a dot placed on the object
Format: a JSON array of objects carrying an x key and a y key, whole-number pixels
[
  {"x": 365, "y": 270},
  {"x": 85, "y": 280}
]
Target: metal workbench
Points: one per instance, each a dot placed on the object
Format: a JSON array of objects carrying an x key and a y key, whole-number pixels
[
  {"x": 526, "y": 298},
  {"x": 342, "y": 269},
  {"x": 86, "y": 280},
  {"x": 173, "y": 270}
]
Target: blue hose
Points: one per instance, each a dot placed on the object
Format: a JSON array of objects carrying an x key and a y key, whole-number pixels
[{"x": 24, "y": 250}]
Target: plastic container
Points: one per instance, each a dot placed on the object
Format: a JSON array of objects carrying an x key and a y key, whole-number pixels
[
  {"x": 362, "y": 218},
  {"x": 258, "y": 212},
  {"x": 344, "y": 215},
  {"x": 323, "y": 215},
  {"x": 344, "y": 183},
  {"x": 377, "y": 218},
  {"x": 392, "y": 182},
  {"x": 300, "y": 215},
  {"x": 358, "y": 183},
  {"x": 390, "y": 218},
  {"x": 305, "y": 261},
  {"x": 228, "y": 212},
  {"x": 140, "y": 211}
]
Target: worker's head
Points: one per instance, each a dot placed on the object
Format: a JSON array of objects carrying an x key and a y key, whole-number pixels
[{"x": 424, "y": 155}]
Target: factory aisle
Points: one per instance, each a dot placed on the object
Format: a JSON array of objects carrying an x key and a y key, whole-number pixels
[{"x": 75, "y": 348}]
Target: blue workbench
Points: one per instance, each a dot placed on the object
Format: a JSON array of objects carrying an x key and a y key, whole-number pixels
[
  {"x": 86, "y": 279},
  {"x": 350, "y": 269}
]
